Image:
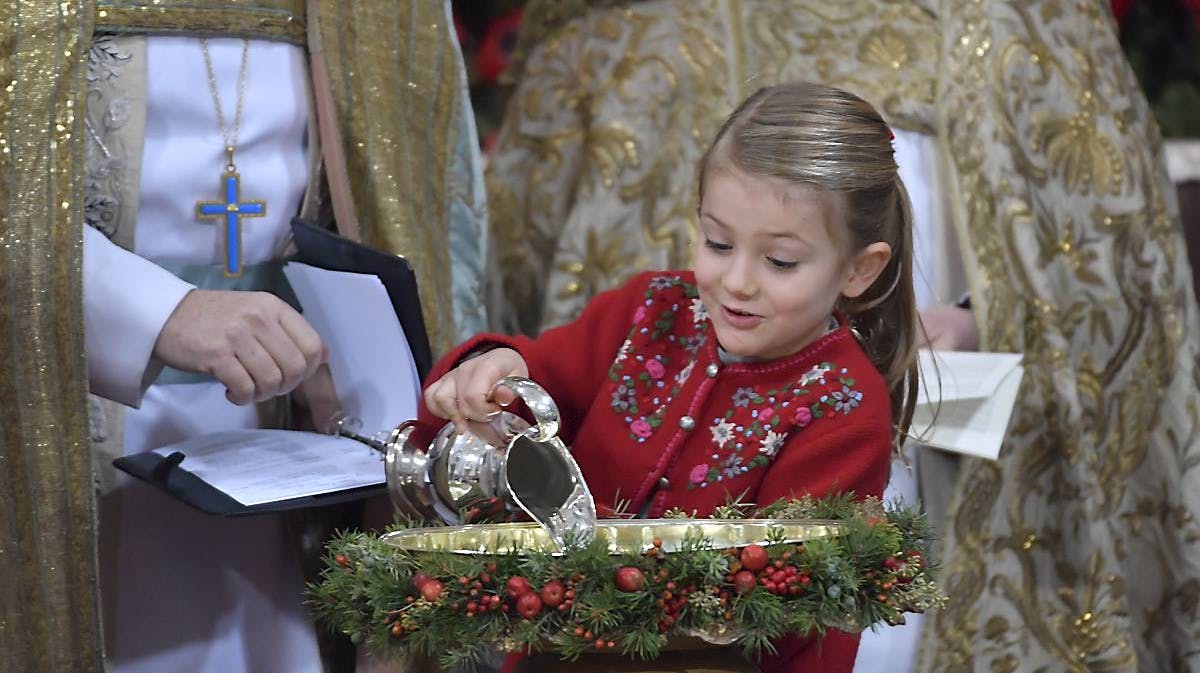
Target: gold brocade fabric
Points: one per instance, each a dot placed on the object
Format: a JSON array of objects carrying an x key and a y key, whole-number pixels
[
  {"x": 49, "y": 620},
  {"x": 264, "y": 19},
  {"x": 1080, "y": 549},
  {"x": 594, "y": 175},
  {"x": 400, "y": 98}
]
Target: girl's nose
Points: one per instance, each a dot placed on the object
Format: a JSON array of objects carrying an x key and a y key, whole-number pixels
[{"x": 738, "y": 278}]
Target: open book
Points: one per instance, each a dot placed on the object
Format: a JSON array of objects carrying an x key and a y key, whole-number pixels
[{"x": 965, "y": 400}]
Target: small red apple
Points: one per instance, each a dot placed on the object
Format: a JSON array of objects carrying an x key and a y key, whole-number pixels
[
  {"x": 744, "y": 582},
  {"x": 754, "y": 558},
  {"x": 630, "y": 579},
  {"x": 529, "y": 605},
  {"x": 517, "y": 586},
  {"x": 431, "y": 590},
  {"x": 552, "y": 593}
]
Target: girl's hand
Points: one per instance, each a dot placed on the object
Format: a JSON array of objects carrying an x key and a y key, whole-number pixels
[{"x": 465, "y": 394}]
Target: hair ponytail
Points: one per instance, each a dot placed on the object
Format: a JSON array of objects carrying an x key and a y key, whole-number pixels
[{"x": 885, "y": 316}]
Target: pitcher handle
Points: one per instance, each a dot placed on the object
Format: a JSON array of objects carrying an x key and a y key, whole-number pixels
[{"x": 541, "y": 405}]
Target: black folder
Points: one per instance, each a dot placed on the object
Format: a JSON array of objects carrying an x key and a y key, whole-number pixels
[
  {"x": 325, "y": 249},
  {"x": 322, "y": 248},
  {"x": 167, "y": 474}
]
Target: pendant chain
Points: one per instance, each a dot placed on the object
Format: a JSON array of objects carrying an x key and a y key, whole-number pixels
[{"x": 229, "y": 136}]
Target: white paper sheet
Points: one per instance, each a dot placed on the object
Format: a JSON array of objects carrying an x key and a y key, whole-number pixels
[
  {"x": 259, "y": 466},
  {"x": 369, "y": 357},
  {"x": 965, "y": 400}
]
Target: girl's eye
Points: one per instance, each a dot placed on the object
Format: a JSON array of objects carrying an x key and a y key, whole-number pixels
[
  {"x": 719, "y": 247},
  {"x": 780, "y": 264}
]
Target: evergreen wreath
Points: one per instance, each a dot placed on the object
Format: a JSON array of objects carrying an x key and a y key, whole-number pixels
[{"x": 461, "y": 607}]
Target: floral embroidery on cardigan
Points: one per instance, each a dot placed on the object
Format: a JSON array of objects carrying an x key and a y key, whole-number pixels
[
  {"x": 755, "y": 428},
  {"x": 659, "y": 354}
]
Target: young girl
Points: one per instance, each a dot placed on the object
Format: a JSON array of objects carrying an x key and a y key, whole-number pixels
[{"x": 775, "y": 368}]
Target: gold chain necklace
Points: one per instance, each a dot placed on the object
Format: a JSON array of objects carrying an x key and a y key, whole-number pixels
[{"x": 231, "y": 209}]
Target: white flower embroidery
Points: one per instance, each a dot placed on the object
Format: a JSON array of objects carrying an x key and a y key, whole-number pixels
[
  {"x": 814, "y": 374},
  {"x": 623, "y": 352},
  {"x": 771, "y": 444},
  {"x": 699, "y": 313},
  {"x": 682, "y": 376},
  {"x": 722, "y": 432}
]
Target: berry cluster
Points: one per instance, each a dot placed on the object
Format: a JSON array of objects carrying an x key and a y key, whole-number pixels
[
  {"x": 898, "y": 570},
  {"x": 753, "y": 567}
]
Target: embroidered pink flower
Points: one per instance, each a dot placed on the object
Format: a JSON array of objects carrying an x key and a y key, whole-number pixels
[
  {"x": 639, "y": 314},
  {"x": 698, "y": 473},
  {"x": 641, "y": 427},
  {"x": 655, "y": 369},
  {"x": 803, "y": 416},
  {"x": 765, "y": 415}
]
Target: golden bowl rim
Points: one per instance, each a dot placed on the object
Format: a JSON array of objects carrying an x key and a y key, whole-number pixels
[{"x": 829, "y": 526}]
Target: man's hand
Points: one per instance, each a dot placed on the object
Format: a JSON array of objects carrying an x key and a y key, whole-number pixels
[
  {"x": 252, "y": 342},
  {"x": 949, "y": 328},
  {"x": 317, "y": 402}
]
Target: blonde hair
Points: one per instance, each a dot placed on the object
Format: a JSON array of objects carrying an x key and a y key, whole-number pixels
[{"x": 825, "y": 138}]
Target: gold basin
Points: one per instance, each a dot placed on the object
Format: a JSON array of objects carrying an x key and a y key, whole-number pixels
[{"x": 623, "y": 536}]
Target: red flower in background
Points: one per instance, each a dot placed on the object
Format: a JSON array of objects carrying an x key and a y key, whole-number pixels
[
  {"x": 1120, "y": 8},
  {"x": 1194, "y": 6},
  {"x": 496, "y": 47}
]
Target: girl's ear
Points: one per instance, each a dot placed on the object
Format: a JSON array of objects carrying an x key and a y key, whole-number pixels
[{"x": 865, "y": 267}]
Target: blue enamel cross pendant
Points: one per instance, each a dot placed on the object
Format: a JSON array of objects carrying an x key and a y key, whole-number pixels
[{"x": 231, "y": 210}]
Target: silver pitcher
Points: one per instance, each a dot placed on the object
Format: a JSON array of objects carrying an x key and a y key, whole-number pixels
[{"x": 463, "y": 478}]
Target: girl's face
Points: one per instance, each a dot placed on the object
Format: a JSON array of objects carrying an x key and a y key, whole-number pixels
[{"x": 768, "y": 270}]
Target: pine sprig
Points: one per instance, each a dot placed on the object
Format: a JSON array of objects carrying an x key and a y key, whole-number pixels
[{"x": 458, "y": 609}]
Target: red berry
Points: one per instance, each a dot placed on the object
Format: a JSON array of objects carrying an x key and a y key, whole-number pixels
[
  {"x": 342, "y": 560},
  {"x": 630, "y": 579},
  {"x": 754, "y": 558},
  {"x": 552, "y": 593},
  {"x": 419, "y": 580},
  {"x": 431, "y": 590},
  {"x": 397, "y": 629},
  {"x": 517, "y": 586},
  {"x": 743, "y": 582},
  {"x": 529, "y": 605},
  {"x": 778, "y": 576}
]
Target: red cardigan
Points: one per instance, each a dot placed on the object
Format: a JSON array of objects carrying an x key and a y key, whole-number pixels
[{"x": 653, "y": 417}]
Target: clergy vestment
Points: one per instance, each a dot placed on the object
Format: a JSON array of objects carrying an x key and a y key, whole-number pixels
[
  {"x": 1052, "y": 168},
  {"x": 396, "y": 147}
]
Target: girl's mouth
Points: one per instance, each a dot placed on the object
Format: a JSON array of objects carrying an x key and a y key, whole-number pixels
[{"x": 739, "y": 319}]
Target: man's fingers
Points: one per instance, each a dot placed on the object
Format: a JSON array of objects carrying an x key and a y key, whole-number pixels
[
  {"x": 239, "y": 386},
  {"x": 304, "y": 337},
  {"x": 319, "y": 395},
  {"x": 260, "y": 365},
  {"x": 286, "y": 353}
]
